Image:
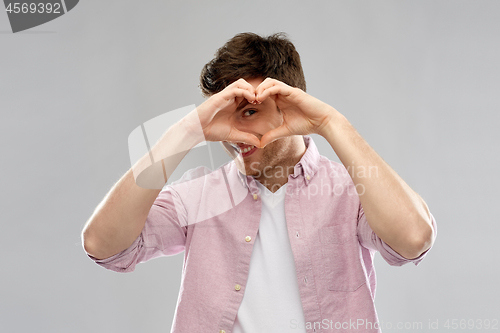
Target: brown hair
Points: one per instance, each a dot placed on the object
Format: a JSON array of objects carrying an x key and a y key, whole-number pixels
[{"x": 248, "y": 55}]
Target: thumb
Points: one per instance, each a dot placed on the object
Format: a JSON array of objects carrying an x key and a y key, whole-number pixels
[
  {"x": 274, "y": 134},
  {"x": 245, "y": 137}
]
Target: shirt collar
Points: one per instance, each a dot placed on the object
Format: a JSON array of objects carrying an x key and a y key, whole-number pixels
[
  {"x": 308, "y": 164},
  {"x": 306, "y": 167}
]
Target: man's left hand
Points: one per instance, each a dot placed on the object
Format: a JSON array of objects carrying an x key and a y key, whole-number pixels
[{"x": 302, "y": 113}]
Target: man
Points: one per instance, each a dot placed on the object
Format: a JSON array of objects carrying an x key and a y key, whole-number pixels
[{"x": 280, "y": 239}]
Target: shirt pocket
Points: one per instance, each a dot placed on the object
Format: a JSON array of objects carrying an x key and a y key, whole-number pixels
[{"x": 341, "y": 257}]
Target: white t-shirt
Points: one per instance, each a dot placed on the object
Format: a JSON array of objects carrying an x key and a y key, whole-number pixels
[{"x": 271, "y": 302}]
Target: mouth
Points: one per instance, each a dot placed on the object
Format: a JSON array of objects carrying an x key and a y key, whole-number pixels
[{"x": 244, "y": 149}]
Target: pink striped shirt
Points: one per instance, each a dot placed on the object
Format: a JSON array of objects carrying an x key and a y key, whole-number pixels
[{"x": 214, "y": 217}]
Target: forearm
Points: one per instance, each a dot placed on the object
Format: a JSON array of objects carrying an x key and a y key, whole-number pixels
[
  {"x": 120, "y": 217},
  {"x": 397, "y": 214}
]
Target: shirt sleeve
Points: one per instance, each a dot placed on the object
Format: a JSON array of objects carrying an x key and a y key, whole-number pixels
[
  {"x": 371, "y": 241},
  {"x": 164, "y": 234}
]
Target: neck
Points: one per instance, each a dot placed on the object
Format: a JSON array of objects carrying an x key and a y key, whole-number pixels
[{"x": 273, "y": 177}]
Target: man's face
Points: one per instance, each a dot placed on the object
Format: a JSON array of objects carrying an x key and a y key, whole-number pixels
[{"x": 258, "y": 120}]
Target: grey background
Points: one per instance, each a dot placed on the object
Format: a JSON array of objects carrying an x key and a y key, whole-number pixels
[{"x": 418, "y": 79}]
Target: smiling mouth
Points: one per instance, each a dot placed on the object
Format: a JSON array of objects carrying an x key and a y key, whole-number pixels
[
  {"x": 235, "y": 147},
  {"x": 243, "y": 149}
]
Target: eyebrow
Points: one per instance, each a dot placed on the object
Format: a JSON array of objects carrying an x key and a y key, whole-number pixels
[{"x": 243, "y": 103}]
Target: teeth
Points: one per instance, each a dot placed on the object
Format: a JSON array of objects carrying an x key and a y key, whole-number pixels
[{"x": 247, "y": 149}]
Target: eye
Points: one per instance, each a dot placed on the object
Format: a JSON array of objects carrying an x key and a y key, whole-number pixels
[{"x": 249, "y": 112}]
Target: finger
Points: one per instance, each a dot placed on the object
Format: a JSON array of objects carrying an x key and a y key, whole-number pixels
[
  {"x": 235, "y": 92},
  {"x": 267, "y": 83},
  {"x": 244, "y": 94},
  {"x": 273, "y": 90},
  {"x": 245, "y": 137},
  {"x": 270, "y": 82},
  {"x": 274, "y": 134},
  {"x": 243, "y": 84}
]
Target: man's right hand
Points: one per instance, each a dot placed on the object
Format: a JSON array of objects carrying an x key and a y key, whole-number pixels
[
  {"x": 120, "y": 217},
  {"x": 216, "y": 114}
]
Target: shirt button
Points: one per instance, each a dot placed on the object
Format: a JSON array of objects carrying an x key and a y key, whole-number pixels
[
  {"x": 237, "y": 287},
  {"x": 248, "y": 238},
  {"x": 255, "y": 196},
  {"x": 308, "y": 177}
]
